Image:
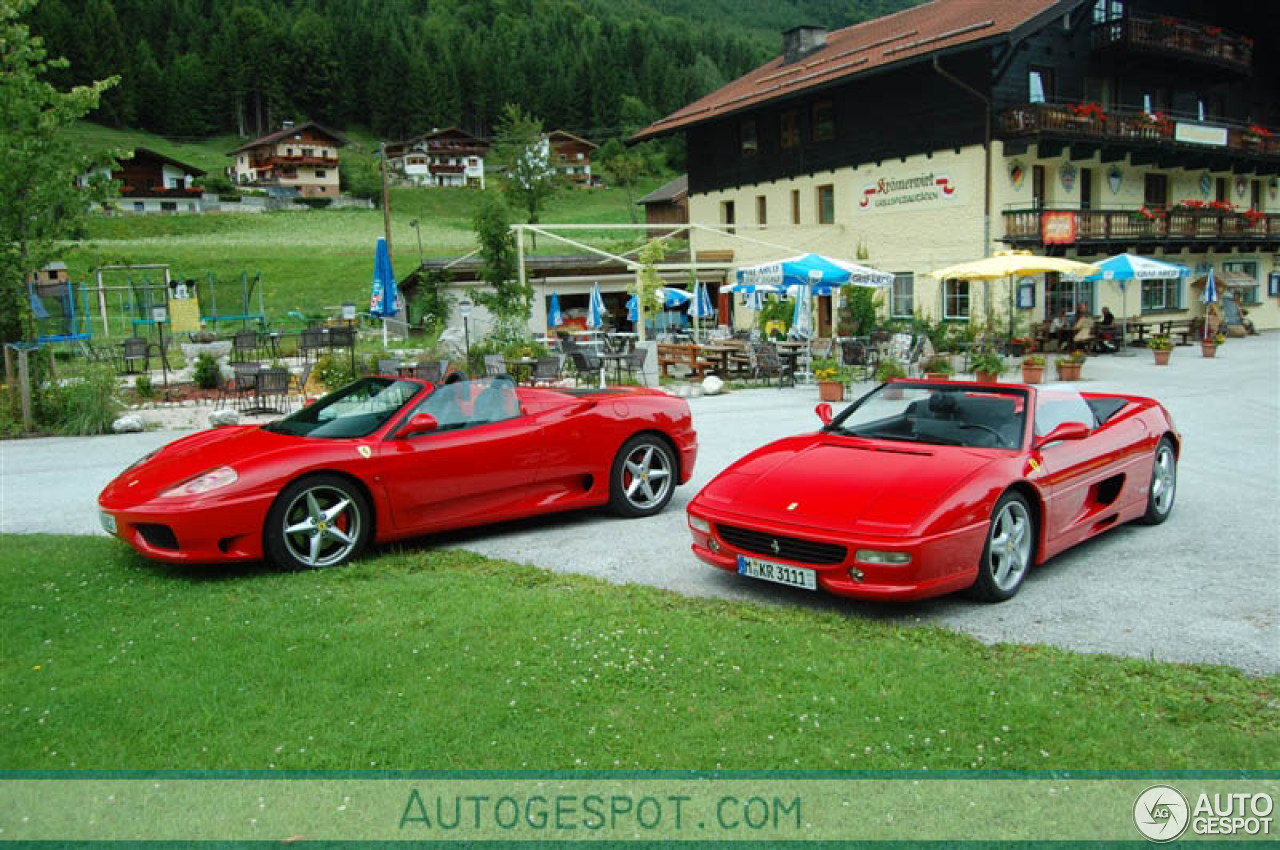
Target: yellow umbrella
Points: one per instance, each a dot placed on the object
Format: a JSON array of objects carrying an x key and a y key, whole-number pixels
[{"x": 1010, "y": 263}]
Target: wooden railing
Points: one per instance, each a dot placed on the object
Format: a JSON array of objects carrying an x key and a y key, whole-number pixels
[
  {"x": 1189, "y": 39},
  {"x": 1089, "y": 121},
  {"x": 1098, "y": 226}
]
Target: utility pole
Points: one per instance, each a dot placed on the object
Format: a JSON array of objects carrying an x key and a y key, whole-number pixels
[
  {"x": 386, "y": 201},
  {"x": 421, "y": 260}
]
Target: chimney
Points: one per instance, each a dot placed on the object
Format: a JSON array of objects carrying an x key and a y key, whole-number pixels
[{"x": 799, "y": 42}]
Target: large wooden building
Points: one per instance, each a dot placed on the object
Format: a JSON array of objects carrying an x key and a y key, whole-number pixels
[
  {"x": 955, "y": 129},
  {"x": 448, "y": 157},
  {"x": 301, "y": 160}
]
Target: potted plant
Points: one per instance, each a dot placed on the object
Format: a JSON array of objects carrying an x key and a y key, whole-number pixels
[
  {"x": 937, "y": 368},
  {"x": 987, "y": 366},
  {"x": 1033, "y": 369},
  {"x": 1069, "y": 366},
  {"x": 831, "y": 378},
  {"x": 1209, "y": 345},
  {"x": 1161, "y": 347},
  {"x": 888, "y": 369}
]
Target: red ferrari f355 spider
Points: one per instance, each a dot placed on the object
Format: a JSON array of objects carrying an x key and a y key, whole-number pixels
[
  {"x": 920, "y": 489},
  {"x": 387, "y": 458}
]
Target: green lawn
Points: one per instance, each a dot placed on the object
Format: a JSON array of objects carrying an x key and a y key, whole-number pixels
[{"x": 429, "y": 659}]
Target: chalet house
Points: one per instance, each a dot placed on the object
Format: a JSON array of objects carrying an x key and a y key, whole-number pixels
[
  {"x": 668, "y": 204},
  {"x": 570, "y": 156},
  {"x": 949, "y": 131},
  {"x": 151, "y": 182},
  {"x": 300, "y": 160},
  {"x": 448, "y": 157}
]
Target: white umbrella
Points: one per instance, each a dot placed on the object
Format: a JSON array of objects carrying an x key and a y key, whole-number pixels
[
  {"x": 1208, "y": 297},
  {"x": 700, "y": 307}
]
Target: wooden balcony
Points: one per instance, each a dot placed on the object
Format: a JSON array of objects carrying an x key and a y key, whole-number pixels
[
  {"x": 1111, "y": 228},
  {"x": 1096, "y": 127},
  {"x": 1175, "y": 38}
]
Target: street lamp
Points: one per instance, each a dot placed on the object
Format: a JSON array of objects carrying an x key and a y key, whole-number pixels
[{"x": 414, "y": 225}]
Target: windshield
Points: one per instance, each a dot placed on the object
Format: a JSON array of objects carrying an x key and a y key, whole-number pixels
[
  {"x": 356, "y": 410},
  {"x": 939, "y": 414}
]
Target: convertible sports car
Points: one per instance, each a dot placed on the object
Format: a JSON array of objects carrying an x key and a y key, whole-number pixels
[
  {"x": 924, "y": 488},
  {"x": 386, "y": 458}
]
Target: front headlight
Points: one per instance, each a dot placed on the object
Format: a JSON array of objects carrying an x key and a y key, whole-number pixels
[
  {"x": 875, "y": 556},
  {"x": 697, "y": 523},
  {"x": 201, "y": 484}
]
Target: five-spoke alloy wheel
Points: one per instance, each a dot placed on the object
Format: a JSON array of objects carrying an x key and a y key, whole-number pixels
[
  {"x": 1010, "y": 549},
  {"x": 643, "y": 476},
  {"x": 321, "y": 521},
  {"x": 1164, "y": 483}
]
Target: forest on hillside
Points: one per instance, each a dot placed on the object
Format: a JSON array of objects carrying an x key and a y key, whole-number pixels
[{"x": 598, "y": 68}]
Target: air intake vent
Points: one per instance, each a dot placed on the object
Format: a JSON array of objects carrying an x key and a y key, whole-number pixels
[
  {"x": 157, "y": 536},
  {"x": 788, "y": 548}
]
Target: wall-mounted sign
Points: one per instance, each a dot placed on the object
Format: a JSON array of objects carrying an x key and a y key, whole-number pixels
[
  {"x": 1273, "y": 283},
  {"x": 1026, "y": 292},
  {"x": 1058, "y": 227},
  {"x": 892, "y": 191},
  {"x": 1115, "y": 179},
  {"x": 1017, "y": 175},
  {"x": 1200, "y": 134},
  {"x": 1067, "y": 173}
]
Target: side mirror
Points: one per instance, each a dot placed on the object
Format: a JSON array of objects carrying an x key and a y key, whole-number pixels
[
  {"x": 824, "y": 413},
  {"x": 1065, "y": 431},
  {"x": 419, "y": 423}
]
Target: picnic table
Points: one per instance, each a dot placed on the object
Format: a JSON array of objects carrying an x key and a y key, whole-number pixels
[{"x": 720, "y": 356}]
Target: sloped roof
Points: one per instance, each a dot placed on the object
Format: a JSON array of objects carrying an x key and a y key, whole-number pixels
[
  {"x": 272, "y": 138},
  {"x": 148, "y": 153},
  {"x": 668, "y": 192},
  {"x": 563, "y": 134},
  {"x": 871, "y": 45}
]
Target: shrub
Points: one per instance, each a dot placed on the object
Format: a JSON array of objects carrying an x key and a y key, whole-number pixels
[
  {"x": 86, "y": 404},
  {"x": 888, "y": 369},
  {"x": 314, "y": 203},
  {"x": 938, "y": 366},
  {"x": 143, "y": 386},
  {"x": 335, "y": 371},
  {"x": 206, "y": 373}
]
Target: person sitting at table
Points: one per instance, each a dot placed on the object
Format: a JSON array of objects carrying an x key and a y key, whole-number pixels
[
  {"x": 1106, "y": 331},
  {"x": 1082, "y": 332},
  {"x": 1060, "y": 329}
]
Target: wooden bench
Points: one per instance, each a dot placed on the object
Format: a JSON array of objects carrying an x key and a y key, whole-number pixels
[
  {"x": 675, "y": 354},
  {"x": 1181, "y": 328}
]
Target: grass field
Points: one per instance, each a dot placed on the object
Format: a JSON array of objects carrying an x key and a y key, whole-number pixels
[
  {"x": 444, "y": 660},
  {"x": 308, "y": 260}
]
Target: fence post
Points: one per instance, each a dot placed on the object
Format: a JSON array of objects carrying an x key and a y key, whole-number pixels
[{"x": 24, "y": 387}]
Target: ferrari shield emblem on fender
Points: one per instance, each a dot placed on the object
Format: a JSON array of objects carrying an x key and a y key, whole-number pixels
[
  {"x": 793, "y": 506},
  {"x": 365, "y": 452}
]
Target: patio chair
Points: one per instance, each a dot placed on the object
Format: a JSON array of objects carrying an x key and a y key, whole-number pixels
[
  {"x": 241, "y": 384},
  {"x": 244, "y": 346},
  {"x": 547, "y": 370},
  {"x": 136, "y": 350},
  {"x": 271, "y": 391},
  {"x": 494, "y": 365},
  {"x": 764, "y": 362},
  {"x": 430, "y": 370},
  {"x": 588, "y": 365},
  {"x": 342, "y": 336},
  {"x": 388, "y": 366},
  {"x": 311, "y": 341},
  {"x": 633, "y": 364},
  {"x": 298, "y": 382}
]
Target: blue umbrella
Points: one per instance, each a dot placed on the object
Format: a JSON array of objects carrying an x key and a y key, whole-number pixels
[
  {"x": 384, "y": 298},
  {"x": 1125, "y": 267},
  {"x": 1209, "y": 296},
  {"x": 596, "y": 311},
  {"x": 554, "y": 317},
  {"x": 814, "y": 270},
  {"x": 633, "y": 309}
]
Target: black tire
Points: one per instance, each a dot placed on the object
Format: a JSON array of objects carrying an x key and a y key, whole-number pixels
[
  {"x": 316, "y": 522},
  {"x": 643, "y": 476},
  {"x": 1010, "y": 550},
  {"x": 1164, "y": 483}
]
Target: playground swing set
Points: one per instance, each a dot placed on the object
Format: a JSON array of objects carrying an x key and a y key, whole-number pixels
[{"x": 63, "y": 313}]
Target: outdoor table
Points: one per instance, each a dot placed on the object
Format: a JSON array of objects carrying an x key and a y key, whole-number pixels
[
  {"x": 617, "y": 360},
  {"x": 789, "y": 351},
  {"x": 719, "y": 357}
]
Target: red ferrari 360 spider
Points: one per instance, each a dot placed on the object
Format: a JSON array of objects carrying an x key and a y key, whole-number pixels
[
  {"x": 387, "y": 458},
  {"x": 920, "y": 489}
]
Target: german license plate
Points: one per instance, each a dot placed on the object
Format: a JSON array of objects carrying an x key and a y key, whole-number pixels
[
  {"x": 777, "y": 573},
  {"x": 108, "y": 522}
]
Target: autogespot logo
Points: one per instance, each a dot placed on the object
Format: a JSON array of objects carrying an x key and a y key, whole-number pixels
[{"x": 1160, "y": 813}]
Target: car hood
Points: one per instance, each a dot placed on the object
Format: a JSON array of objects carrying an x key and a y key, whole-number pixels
[
  {"x": 184, "y": 459},
  {"x": 837, "y": 483}
]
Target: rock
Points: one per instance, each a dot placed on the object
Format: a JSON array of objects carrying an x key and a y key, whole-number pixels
[
  {"x": 224, "y": 416},
  {"x": 128, "y": 424},
  {"x": 712, "y": 385}
]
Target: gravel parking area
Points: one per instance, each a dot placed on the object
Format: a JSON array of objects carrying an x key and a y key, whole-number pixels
[{"x": 1203, "y": 587}]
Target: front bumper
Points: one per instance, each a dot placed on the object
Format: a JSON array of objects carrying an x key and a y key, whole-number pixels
[
  {"x": 941, "y": 563},
  {"x": 192, "y": 531}
]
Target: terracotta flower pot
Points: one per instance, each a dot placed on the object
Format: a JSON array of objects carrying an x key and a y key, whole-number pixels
[
  {"x": 1209, "y": 349},
  {"x": 987, "y": 377},
  {"x": 830, "y": 391},
  {"x": 938, "y": 376},
  {"x": 1032, "y": 374},
  {"x": 1069, "y": 371},
  {"x": 1161, "y": 355}
]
